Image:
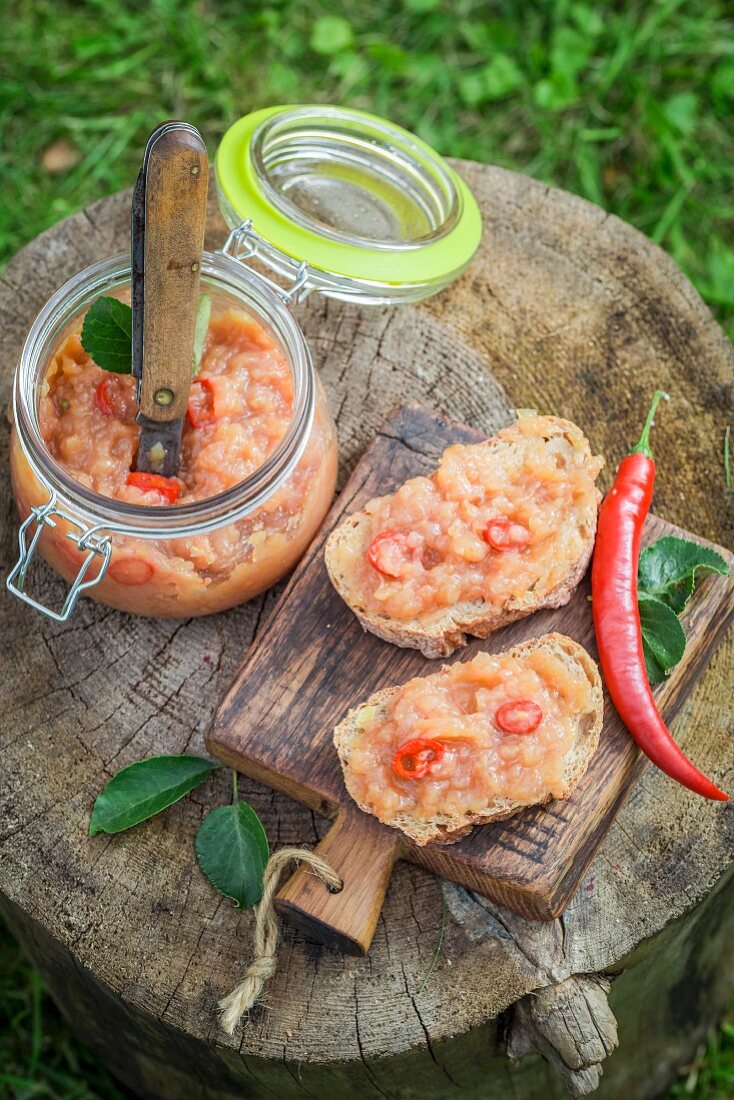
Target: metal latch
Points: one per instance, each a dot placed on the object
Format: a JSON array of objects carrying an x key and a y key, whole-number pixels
[
  {"x": 244, "y": 244},
  {"x": 89, "y": 541}
]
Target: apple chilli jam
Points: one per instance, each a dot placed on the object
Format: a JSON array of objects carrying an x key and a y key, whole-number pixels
[
  {"x": 327, "y": 199},
  {"x": 499, "y": 726},
  {"x": 258, "y": 456}
]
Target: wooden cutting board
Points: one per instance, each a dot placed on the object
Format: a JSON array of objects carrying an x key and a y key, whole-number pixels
[{"x": 312, "y": 661}]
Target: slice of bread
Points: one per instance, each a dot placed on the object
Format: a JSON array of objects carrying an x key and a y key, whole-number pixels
[
  {"x": 448, "y": 828},
  {"x": 442, "y": 632}
]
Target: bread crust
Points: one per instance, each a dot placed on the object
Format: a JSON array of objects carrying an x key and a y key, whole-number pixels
[
  {"x": 476, "y": 618},
  {"x": 448, "y": 828}
]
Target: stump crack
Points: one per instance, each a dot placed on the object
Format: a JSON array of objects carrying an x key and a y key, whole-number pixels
[
  {"x": 192, "y": 956},
  {"x": 426, "y": 1033},
  {"x": 546, "y": 971},
  {"x": 363, "y": 1057}
]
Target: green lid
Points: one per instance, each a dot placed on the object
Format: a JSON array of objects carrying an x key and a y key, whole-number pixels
[{"x": 352, "y": 195}]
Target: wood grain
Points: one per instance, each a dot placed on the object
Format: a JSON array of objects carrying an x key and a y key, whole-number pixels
[
  {"x": 312, "y": 662},
  {"x": 363, "y": 853},
  {"x": 175, "y": 218}
]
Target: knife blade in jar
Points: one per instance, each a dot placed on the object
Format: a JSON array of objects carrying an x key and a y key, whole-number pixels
[{"x": 167, "y": 241}]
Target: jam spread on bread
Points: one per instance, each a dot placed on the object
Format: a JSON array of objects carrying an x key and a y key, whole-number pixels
[
  {"x": 489, "y": 524},
  {"x": 501, "y": 726}
]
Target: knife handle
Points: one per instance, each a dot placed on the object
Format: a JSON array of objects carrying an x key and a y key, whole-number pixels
[{"x": 176, "y": 182}]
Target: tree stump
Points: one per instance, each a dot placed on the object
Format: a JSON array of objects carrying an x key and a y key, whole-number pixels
[{"x": 565, "y": 309}]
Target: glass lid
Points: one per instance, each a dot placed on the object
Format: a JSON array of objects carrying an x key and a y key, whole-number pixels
[{"x": 373, "y": 211}]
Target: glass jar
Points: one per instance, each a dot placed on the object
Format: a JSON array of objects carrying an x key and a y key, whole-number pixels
[
  {"x": 375, "y": 213},
  {"x": 329, "y": 200},
  {"x": 191, "y": 559}
]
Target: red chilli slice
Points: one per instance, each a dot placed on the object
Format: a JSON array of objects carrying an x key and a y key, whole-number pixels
[
  {"x": 417, "y": 758},
  {"x": 131, "y": 571},
  {"x": 389, "y": 552},
  {"x": 102, "y": 397},
  {"x": 200, "y": 409},
  {"x": 168, "y": 487},
  {"x": 520, "y": 716},
  {"x": 504, "y": 534}
]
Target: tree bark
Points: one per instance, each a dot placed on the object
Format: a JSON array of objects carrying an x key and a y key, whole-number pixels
[{"x": 664, "y": 997}]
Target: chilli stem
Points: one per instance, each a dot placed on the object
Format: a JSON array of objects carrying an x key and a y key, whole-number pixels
[{"x": 643, "y": 447}]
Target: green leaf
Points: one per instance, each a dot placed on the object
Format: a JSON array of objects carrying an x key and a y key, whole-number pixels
[
  {"x": 488, "y": 35},
  {"x": 681, "y": 111},
  {"x": 569, "y": 52},
  {"x": 331, "y": 34},
  {"x": 663, "y": 638},
  {"x": 471, "y": 89},
  {"x": 719, "y": 285},
  {"x": 201, "y": 327},
  {"x": 589, "y": 169},
  {"x": 655, "y": 671},
  {"x": 349, "y": 66},
  {"x": 393, "y": 59},
  {"x": 722, "y": 82},
  {"x": 496, "y": 80},
  {"x": 232, "y": 850},
  {"x": 557, "y": 93},
  {"x": 144, "y": 789},
  {"x": 422, "y": 71},
  {"x": 284, "y": 81},
  {"x": 501, "y": 76},
  {"x": 474, "y": 34},
  {"x": 587, "y": 19},
  {"x": 668, "y": 569},
  {"x": 107, "y": 335}
]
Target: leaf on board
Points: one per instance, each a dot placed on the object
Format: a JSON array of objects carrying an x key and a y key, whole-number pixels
[
  {"x": 669, "y": 568},
  {"x": 663, "y": 638}
]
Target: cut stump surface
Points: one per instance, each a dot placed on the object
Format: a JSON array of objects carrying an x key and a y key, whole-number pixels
[{"x": 568, "y": 310}]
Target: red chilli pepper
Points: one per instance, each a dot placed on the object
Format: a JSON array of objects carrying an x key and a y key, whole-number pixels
[
  {"x": 200, "y": 409},
  {"x": 504, "y": 534},
  {"x": 416, "y": 759},
  {"x": 389, "y": 553},
  {"x": 102, "y": 397},
  {"x": 168, "y": 487},
  {"x": 617, "y": 619},
  {"x": 521, "y": 716}
]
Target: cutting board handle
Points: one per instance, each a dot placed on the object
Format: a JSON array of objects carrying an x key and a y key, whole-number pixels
[{"x": 363, "y": 853}]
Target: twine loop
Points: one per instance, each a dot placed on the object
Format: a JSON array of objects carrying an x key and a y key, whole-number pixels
[{"x": 263, "y": 967}]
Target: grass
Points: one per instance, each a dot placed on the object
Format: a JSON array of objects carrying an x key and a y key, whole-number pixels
[
  {"x": 711, "y": 1077},
  {"x": 629, "y": 104},
  {"x": 39, "y": 1055}
]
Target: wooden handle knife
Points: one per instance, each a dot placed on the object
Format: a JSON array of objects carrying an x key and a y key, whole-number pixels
[{"x": 168, "y": 217}]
